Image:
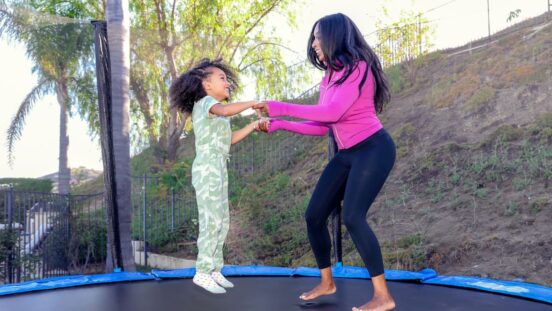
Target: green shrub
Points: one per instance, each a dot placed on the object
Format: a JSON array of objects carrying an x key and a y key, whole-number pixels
[
  {"x": 29, "y": 184},
  {"x": 481, "y": 97},
  {"x": 396, "y": 79}
]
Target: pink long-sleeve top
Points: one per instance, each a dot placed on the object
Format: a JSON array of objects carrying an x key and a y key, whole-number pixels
[{"x": 351, "y": 117}]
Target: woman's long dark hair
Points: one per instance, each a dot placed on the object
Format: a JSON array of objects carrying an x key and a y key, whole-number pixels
[
  {"x": 187, "y": 89},
  {"x": 343, "y": 46}
]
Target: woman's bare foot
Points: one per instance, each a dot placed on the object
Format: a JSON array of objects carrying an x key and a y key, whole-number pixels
[
  {"x": 320, "y": 290},
  {"x": 378, "y": 303}
]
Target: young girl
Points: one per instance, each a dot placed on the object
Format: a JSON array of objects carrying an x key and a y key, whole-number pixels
[{"x": 200, "y": 91}]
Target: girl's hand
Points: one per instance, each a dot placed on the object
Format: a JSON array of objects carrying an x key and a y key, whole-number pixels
[
  {"x": 261, "y": 107},
  {"x": 264, "y": 125}
]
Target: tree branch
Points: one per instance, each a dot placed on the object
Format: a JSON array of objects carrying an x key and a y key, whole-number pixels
[
  {"x": 253, "y": 63},
  {"x": 268, "y": 10},
  {"x": 263, "y": 43},
  {"x": 18, "y": 121}
]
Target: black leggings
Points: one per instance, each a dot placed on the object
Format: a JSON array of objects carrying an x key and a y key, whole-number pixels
[{"x": 354, "y": 175}]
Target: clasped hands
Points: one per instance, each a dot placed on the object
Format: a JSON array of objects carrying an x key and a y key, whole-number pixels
[{"x": 263, "y": 123}]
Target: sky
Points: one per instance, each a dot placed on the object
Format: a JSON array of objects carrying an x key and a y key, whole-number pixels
[{"x": 455, "y": 22}]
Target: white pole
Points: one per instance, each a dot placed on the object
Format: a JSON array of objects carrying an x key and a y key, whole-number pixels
[{"x": 489, "y": 19}]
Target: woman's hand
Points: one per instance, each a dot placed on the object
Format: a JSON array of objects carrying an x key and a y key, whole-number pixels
[
  {"x": 261, "y": 107},
  {"x": 263, "y": 125}
]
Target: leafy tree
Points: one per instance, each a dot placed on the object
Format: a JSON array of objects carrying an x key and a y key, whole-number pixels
[
  {"x": 404, "y": 41},
  {"x": 168, "y": 37}
]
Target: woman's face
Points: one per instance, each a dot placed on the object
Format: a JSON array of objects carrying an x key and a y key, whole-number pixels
[{"x": 316, "y": 44}]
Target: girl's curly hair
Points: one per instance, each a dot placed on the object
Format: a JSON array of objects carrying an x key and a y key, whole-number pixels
[{"x": 187, "y": 89}]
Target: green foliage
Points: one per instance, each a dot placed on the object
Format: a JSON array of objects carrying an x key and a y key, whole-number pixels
[
  {"x": 408, "y": 253},
  {"x": 511, "y": 209},
  {"x": 513, "y": 15},
  {"x": 168, "y": 40},
  {"x": 538, "y": 204},
  {"x": 507, "y": 133},
  {"x": 8, "y": 241},
  {"x": 56, "y": 245},
  {"x": 239, "y": 121},
  {"x": 405, "y": 138},
  {"x": 438, "y": 95},
  {"x": 77, "y": 9},
  {"x": 404, "y": 40},
  {"x": 545, "y": 120},
  {"x": 88, "y": 243},
  {"x": 29, "y": 184},
  {"x": 396, "y": 79},
  {"x": 519, "y": 184},
  {"x": 481, "y": 97},
  {"x": 545, "y": 135},
  {"x": 176, "y": 177}
]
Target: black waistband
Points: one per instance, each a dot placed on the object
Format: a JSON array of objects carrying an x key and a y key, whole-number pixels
[{"x": 369, "y": 140}]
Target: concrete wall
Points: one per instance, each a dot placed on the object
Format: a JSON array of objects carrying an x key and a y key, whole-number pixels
[{"x": 159, "y": 261}]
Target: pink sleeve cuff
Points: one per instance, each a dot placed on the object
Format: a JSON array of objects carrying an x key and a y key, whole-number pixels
[{"x": 274, "y": 125}]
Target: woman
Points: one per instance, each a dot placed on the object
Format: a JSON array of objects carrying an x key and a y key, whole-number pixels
[{"x": 352, "y": 92}]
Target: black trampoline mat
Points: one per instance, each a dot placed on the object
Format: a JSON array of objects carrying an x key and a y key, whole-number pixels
[{"x": 258, "y": 294}]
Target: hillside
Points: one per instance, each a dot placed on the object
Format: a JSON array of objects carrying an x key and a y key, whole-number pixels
[
  {"x": 79, "y": 177},
  {"x": 470, "y": 191}
]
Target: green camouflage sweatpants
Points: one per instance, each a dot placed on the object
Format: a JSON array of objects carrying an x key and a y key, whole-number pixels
[
  {"x": 213, "y": 136},
  {"x": 210, "y": 180}
]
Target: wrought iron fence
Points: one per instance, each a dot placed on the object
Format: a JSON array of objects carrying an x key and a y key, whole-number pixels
[
  {"x": 164, "y": 214},
  {"x": 46, "y": 234}
]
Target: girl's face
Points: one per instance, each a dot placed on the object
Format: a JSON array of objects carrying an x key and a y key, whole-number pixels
[
  {"x": 217, "y": 85},
  {"x": 316, "y": 44}
]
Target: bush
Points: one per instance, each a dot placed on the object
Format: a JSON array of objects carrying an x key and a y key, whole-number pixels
[
  {"x": 395, "y": 76},
  {"x": 29, "y": 184},
  {"x": 88, "y": 244},
  {"x": 481, "y": 97},
  {"x": 55, "y": 247},
  {"x": 7, "y": 243}
]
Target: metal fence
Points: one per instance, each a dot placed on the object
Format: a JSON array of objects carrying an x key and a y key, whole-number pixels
[
  {"x": 164, "y": 215},
  {"x": 45, "y": 234}
]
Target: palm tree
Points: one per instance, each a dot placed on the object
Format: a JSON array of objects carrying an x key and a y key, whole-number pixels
[
  {"x": 55, "y": 49},
  {"x": 118, "y": 27}
]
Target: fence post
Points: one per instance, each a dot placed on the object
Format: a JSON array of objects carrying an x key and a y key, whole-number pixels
[
  {"x": 419, "y": 34},
  {"x": 172, "y": 208},
  {"x": 489, "y": 20},
  {"x": 68, "y": 212},
  {"x": 9, "y": 264},
  {"x": 144, "y": 222}
]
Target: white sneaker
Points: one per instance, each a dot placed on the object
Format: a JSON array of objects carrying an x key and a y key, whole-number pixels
[
  {"x": 204, "y": 280},
  {"x": 221, "y": 280}
]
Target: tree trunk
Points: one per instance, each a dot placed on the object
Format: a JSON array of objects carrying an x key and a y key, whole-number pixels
[
  {"x": 64, "y": 174},
  {"x": 176, "y": 119},
  {"x": 173, "y": 136},
  {"x": 117, "y": 13}
]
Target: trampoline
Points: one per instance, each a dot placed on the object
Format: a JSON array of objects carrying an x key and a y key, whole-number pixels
[{"x": 269, "y": 288}]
